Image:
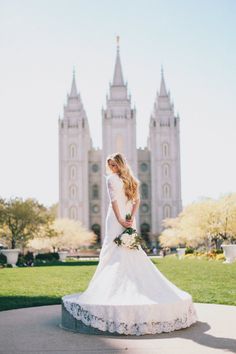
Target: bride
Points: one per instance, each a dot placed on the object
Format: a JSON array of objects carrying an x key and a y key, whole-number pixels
[{"x": 127, "y": 293}]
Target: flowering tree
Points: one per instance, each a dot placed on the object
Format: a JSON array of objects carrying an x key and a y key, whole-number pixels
[
  {"x": 227, "y": 207},
  {"x": 70, "y": 235},
  {"x": 203, "y": 223}
]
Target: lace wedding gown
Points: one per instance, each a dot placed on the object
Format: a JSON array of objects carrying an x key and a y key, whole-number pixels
[{"x": 127, "y": 293}]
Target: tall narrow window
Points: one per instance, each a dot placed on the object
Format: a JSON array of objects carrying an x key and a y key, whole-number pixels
[
  {"x": 119, "y": 143},
  {"x": 73, "y": 192},
  {"x": 73, "y": 213},
  {"x": 166, "y": 211},
  {"x": 165, "y": 150},
  {"x": 97, "y": 230},
  {"x": 145, "y": 229},
  {"x": 166, "y": 191},
  {"x": 144, "y": 190},
  {"x": 166, "y": 170},
  {"x": 72, "y": 172},
  {"x": 95, "y": 192},
  {"x": 72, "y": 151}
]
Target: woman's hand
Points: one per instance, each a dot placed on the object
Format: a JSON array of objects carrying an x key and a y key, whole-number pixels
[{"x": 125, "y": 223}]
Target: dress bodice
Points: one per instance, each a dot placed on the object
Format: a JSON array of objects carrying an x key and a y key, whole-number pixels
[{"x": 115, "y": 189}]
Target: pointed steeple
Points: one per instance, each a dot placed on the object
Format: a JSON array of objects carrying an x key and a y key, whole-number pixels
[
  {"x": 73, "y": 91},
  {"x": 163, "y": 91},
  {"x": 118, "y": 76},
  {"x": 74, "y": 106},
  {"x": 163, "y": 111}
]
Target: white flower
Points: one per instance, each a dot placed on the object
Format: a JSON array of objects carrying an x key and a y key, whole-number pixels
[
  {"x": 125, "y": 236},
  {"x": 126, "y": 240}
]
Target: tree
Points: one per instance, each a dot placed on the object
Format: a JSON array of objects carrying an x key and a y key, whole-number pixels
[
  {"x": 22, "y": 220},
  {"x": 172, "y": 236},
  {"x": 227, "y": 208},
  {"x": 70, "y": 235},
  {"x": 53, "y": 209},
  {"x": 206, "y": 223}
]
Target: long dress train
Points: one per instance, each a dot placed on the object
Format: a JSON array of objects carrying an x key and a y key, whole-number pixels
[{"x": 127, "y": 293}]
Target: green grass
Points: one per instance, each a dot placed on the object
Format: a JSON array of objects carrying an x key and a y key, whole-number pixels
[{"x": 206, "y": 281}]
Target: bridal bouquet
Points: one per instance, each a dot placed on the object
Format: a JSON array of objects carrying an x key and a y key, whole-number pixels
[{"x": 129, "y": 237}]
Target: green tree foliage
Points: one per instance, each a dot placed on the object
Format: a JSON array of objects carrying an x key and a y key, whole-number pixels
[{"x": 22, "y": 220}]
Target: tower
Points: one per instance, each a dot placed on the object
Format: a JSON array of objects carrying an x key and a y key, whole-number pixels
[
  {"x": 74, "y": 145},
  {"x": 164, "y": 144},
  {"x": 82, "y": 185},
  {"x": 118, "y": 126}
]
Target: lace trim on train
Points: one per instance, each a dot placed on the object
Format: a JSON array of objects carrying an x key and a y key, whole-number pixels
[{"x": 130, "y": 329}]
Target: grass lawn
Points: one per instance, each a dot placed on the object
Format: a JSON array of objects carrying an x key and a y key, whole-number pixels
[{"x": 207, "y": 281}]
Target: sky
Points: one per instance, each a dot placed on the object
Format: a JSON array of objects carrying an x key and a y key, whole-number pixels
[{"x": 42, "y": 41}]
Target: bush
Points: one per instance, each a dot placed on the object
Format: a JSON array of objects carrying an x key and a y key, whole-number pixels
[
  {"x": 189, "y": 255},
  {"x": 219, "y": 251},
  {"x": 220, "y": 257},
  {"x": 25, "y": 260},
  {"x": 215, "y": 254},
  {"x": 3, "y": 259},
  {"x": 49, "y": 257},
  {"x": 189, "y": 250},
  {"x": 42, "y": 263}
]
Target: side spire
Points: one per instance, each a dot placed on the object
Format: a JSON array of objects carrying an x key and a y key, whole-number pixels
[
  {"x": 163, "y": 91},
  {"x": 118, "y": 76},
  {"x": 73, "y": 91}
]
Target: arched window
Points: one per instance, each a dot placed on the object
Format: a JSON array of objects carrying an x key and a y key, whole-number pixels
[
  {"x": 97, "y": 230},
  {"x": 73, "y": 192},
  {"x": 166, "y": 211},
  {"x": 72, "y": 172},
  {"x": 95, "y": 192},
  {"x": 145, "y": 229},
  {"x": 144, "y": 191},
  {"x": 166, "y": 191},
  {"x": 73, "y": 151},
  {"x": 165, "y": 150},
  {"x": 166, "y": 170},
  {"x": 73, "y": 213},
  {"x": 119, "y": 143}
]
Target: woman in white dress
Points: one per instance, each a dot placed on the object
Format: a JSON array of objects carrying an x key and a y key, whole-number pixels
[{"x": 127, "y": 293}]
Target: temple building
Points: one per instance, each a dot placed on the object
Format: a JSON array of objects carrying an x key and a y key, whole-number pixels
[{"x": 82, "y": 188}]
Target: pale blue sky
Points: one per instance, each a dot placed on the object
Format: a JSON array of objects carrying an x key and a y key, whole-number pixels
[{"x": 41, "y": 41}]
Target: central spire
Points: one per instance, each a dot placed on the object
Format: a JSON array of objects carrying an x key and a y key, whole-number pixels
[
  {"x": 73, "y": 91},
  {"x": 118, "y": 76},
  {"x": 163, "y": 91}
]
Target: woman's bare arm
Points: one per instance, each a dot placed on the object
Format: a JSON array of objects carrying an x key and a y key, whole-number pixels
[
  {"x": 123, "y": 222},
  {"x": 135, "y": 208}
]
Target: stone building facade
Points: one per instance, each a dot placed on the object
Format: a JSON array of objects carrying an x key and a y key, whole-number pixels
[{"x": 82, "y": 188}]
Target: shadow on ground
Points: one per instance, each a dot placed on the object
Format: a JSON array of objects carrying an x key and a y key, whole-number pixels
[
  {"x": 195, "y": 333},
  {"x": 17, "y": 302}
]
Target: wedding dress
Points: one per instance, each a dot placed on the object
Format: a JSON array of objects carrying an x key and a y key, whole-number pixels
[{"x": 127, "y": 293}]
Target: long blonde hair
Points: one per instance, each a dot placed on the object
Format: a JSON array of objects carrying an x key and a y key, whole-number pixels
[{"x": 131, "y": 184}]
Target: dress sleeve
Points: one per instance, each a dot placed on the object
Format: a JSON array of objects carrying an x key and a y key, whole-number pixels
[{"x": 111, "y": 189}]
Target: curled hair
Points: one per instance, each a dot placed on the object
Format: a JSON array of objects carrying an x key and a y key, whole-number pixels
[{"x": 131, "y": 184}]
